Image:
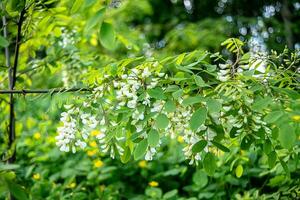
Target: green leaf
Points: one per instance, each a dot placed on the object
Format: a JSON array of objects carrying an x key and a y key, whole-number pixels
[
  {"x": 200, "y": 178},
  {"x": 199, "y": 81},
  {"x": 140, "y": 149},
  {"x": 156, "y": 93},
  {"x": 126, "y": 155},
  {"x": 8, "y": 166},
  {"x": 161, "y": 121},
  {"x": 3, "y": 42},
  {"x": 220, "y": 146},
  {"x": 192, "y": 100},
  {"x": 107, "y": 36},
  {"x": 153, "y": 138},
  {"x": 96, "y": 19},
  {"x": 285, "y": 167},
  {"x": 272, "y": 157},
  {"x": 76, "y": 5},
  {"x": 180, "y": 58},
  {"x": 246, "y": 142},
  {"x": 273, "y": 116},
  {"x": 209, "y": 164},
  {"x": 261, "y": 103},
  {"x": 177, "y": 94},
  {"x": 17, "y": 191},
  {"x": 198, "y": 118},
  {"x": 17, "y": 5},
  {"x": 170, "y": 194},
  {"x": 153, "y": 192},
  {"x": 213, "y": 105},
  {"x": 239, "y": 171},
  {"x": 170, "y": 106},
  {"x": 287, "y": 136},
  {"x": 267, "y": 146},
  {"x": 199, "y": 146},
  {"x": 245, "y": 58}
]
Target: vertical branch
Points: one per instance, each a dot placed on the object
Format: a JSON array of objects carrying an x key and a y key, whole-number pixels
[
  {"x": 12, "y": 81},
  {"x": 17, "y": 47},
  {"x": 7, "y": 56},
  {"x": 11, "y": 129}
]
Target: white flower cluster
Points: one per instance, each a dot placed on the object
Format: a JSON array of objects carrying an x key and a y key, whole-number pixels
[
  {"x": 150, "y": 153},
  {"x": 126, "y": 89},
  {"x": 244, "y": 122},
  {"x": 129, "y": 84},
  {"x": 256, "y": 64},
  {"x": 224, "y": 73},
  {"x": 191, "y": 138},
  {"x": 179, "y": 120},
  {"x": 67, "y": 138},
  {"x": 72, "y": 134},
  {"x": 67, "y": 38}
]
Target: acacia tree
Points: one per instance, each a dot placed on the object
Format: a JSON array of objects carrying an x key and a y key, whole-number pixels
[{"x": 212, "y": 101}]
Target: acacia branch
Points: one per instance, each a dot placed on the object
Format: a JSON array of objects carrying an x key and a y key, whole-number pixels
[
  {"x": 45, "y": 91},
  {"x": 17, "y": 47}
]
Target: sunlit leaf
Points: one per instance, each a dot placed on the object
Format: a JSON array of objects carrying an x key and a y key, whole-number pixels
[{"x": 239, "y": 171}]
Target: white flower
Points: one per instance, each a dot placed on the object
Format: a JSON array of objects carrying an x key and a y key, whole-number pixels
[
  {"x": 132, "y": 103},
  {"x": 149, "y": 154},
  {"x": 224, "y": 72},
  {"x": 224, "y": 66},
  {"x": 146, "y": 73},
  {"x": 157, "y": 106},
  {"x": 124, "y": 76},
  {"x": 137, "y": 115},
  {"x": 223, "y": 78},
  {"x": 146, "y": 101}
]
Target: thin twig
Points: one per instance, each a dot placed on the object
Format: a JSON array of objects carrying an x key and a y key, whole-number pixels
[{"x": 43, "y": 91}]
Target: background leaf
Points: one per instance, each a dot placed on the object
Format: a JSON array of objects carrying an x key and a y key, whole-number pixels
[
  {"x": 209, "y": 164},
  {"x": 3, "y": 42},
  {"x": 108, "y": 36}
]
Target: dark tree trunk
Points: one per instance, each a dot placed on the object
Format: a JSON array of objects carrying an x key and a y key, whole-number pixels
[{"x": 286, "y": 16}]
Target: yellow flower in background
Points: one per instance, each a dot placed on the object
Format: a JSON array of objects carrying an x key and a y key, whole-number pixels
[
  {"x": 243, "y": 152},
  {"x": 72, "y": 185},
  {"x": 36, "y": 176},
  {"x": 95, "y": 133},
  {"x": 296, "y": 118},
  {"x": 143, "y": 164},
  {"x": 102, "y": 188},
  {"x": 91, "y": 152},
  {"x": 94, "y": 40},
  {"x": 153, "y": 184},
  {"x": 93, "y": 144},
  {"x": 37, "y": 135},
  {"x": 180, "y": 139},
  {"x": 98, "y": 163}
]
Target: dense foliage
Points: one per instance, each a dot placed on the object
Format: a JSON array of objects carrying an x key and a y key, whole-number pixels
[{"x": 172, "y": 104}]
